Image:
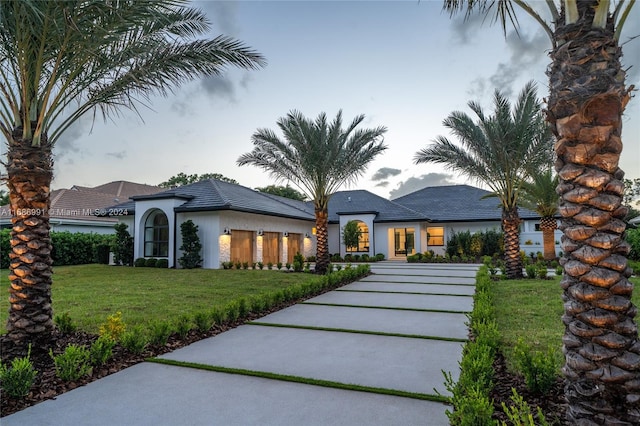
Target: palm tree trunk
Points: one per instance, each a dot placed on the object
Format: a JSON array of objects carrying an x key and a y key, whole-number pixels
[
  {"x": 29, "y": 178},
  {"x": 511, "y": 231},
  {"x": 548, "y": 226},
  {"x": 600, "y": 343},
  {"x": 322, "y": 234}
]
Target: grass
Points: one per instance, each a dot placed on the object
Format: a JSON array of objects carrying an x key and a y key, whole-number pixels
[
  {"x": 89, "y": 293},
  {"x": 532, "y": 310}
]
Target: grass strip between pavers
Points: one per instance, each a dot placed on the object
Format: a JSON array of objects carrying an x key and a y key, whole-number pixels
[
  {"x": 346, "y": 330},
  {"x": 303, "y": 380},
  {"x": 404, "y": 292},
  {"x": 385, "y": 307}
]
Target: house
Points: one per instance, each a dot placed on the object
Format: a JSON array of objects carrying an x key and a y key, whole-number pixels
[
  {"x": 81, "y": 209},
  {"x": 239, "y": 224}
]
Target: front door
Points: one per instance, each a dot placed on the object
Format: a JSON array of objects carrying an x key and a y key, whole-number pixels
[{"x": 404, "y": 241}]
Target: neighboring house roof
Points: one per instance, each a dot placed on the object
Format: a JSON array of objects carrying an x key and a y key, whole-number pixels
[
  {"x": 360, "y": 201},
  {"x": 457, "y": 203},
  {"x": 212, "y": 195},
  {"x": 84, "y": 203}
]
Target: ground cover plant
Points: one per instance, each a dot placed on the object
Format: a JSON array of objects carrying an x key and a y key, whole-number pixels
[{"x": 80, "y": 356}]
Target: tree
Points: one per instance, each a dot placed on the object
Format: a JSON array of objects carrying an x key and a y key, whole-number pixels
[
  {"x": 283, "y": 191},
  {"x": 318, "y": 157},
  {"x": 123, "y": 246},
  {"x": 60, "y": 61},
  {"x": 351, "y": 235},
  {"x": 630, "y": 198},
  {"x": 183, "y": 179},
  {"x": 4, "y": 197},
  {"x": 191, "y": 246},
  {"x": 588, "y": 95},
  {"x": 540, "y": 196},
  {"x": 500, "y": 151}
]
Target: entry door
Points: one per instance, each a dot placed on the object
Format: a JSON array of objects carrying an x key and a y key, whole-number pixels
[{"x": 404, "y": 241}]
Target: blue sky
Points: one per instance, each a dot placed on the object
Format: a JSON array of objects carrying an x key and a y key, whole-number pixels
[{"x": 405, "y": 65}]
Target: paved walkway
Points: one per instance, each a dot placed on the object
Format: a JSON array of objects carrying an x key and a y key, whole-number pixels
[{"x": 391, "y": 334}]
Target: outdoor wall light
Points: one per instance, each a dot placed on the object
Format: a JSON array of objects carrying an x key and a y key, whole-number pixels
[
  {"x": 260, "y": 232},
  {"x": 285, "y": 234},
  {"x": 227, "y": 231},
  {"x": 306, "y": 235}
]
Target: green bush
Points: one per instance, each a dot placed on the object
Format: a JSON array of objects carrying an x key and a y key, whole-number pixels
[
  {"x": 531, "y": 271},
  {"x": 122, "y": 246},
  {"x": 18, "y": 379},
  {"x": 140, "y": 262},
  {"x": 64, "y": 323},
  {"x": 520, "y": 413},
  {"x": 5, "y": 247},
  {"x": 539, "y": 369},
  {"x": 150, "y": 262},
  {"x": 183, "y": 326},
  {"x": 101, "y": 350},
  {"x": 73, "y": 363},
  {"x": 159, "y": 332},
  {"x": 191, "y": 246},
  {"x": 162, "y": 263},
  {"x": 203, "y": 321},
  {"x": 632, "y": 236},
  {"x": 134, "y": 340}
]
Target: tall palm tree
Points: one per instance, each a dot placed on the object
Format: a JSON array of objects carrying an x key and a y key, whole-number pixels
[
  {"x": 500, "y": 151},
  {"x": 318, "y": 157},
  {"x": 588, "y": 95},
  {"x": 58, "y": 61},
  {"x": 540, "y": 195}
]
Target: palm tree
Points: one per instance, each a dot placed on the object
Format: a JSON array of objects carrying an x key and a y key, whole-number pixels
[
  {"x": 540, "y": 196},
  {"x": 59, "y": 61},
  {"x": 500, "y": 151},
  {"x": 588, "y": 95},
  {"x": 318, "y": 157}
]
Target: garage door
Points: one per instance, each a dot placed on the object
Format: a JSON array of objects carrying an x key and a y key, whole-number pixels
[
  {"x": 242, "y": 246},
  {"x": 271, "y": 247}
]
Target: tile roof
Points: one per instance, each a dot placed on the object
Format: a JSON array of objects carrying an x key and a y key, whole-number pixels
[
  {"x": 361, "y": 201},
  {"x": 85, "y": 203},
  {"x": 212, "y": 194},
  {"x": 457, "y": 203}
]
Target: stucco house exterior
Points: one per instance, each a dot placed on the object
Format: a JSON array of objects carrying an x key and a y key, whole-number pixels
[{"x": 239, "y": 224}]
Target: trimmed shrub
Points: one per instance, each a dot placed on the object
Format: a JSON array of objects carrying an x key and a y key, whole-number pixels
[
  {"x": 134, "y": 340},
  {"x": 162, "y": 263},
  {"x": 123, "y": 245},
  {"x": 64, "y": 323},
  {"x": 191, "y": 246},
  {"x": 539, "y": 369},
  {"x": 113, "y": 328},
  {"x": 73, "y": 363},
  {"x": 159, "y": 332},
  {"x": 101, "y": 350},
  {"x": 18, "y": 379},
  {"x": 151, "y": 262},
  {"x": 140, "y": 262}
]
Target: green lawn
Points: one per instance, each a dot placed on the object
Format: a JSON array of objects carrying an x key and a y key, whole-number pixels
[
  {"x": 91, "y": 292},
  {"x": 532, "y": 310}
]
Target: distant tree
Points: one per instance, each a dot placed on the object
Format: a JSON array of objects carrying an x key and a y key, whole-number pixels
[
  {"x": 540, "y": 195},
  {"x": 283, "y": 191},
  {"x": 351, "y": 235},
  {"x": 191, "y": 246},
  {"x": 123, "y": 246},
  {"x": 631, "y": 196},
  {"x": 183, "y": 179}
]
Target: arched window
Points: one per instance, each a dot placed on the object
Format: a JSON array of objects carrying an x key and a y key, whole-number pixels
[
  {"x": 156, "y": 235},
  {"x": 362, "y": 236}
]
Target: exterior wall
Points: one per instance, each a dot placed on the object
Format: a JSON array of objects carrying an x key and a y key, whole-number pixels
[
  {"x": 88, "y": 226},
  {"x": 528, "y": 234},
  {"x": 216, "y": 245}
]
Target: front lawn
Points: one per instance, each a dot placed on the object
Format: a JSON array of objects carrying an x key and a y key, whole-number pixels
[
  {"x": 532, "y": 310},
  {"x": 89, "y": 293}
]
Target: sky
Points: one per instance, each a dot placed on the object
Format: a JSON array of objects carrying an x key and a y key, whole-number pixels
[{"x": 405, "y": 65}]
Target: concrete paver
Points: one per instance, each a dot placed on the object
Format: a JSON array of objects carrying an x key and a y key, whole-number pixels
[
  {"x": 462, "y": 290},
  {"x": 411, "y": 365},
  {"x": 397, "y": 300},
  {"x": 159, "y": 395},
  {"x": 425, "y": 279},
  {"x": 439, "y": 324}
]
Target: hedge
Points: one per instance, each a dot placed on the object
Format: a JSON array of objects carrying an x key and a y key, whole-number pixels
[{"x": 68, "y": 249}]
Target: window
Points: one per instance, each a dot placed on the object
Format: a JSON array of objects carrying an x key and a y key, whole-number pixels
[
  {"x": 156, "y": 235},
  {"x": 363, "y": 239},
  {"x": 435, "y": 236}
]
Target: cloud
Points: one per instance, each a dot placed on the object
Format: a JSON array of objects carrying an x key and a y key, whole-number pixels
[
  {"x": 384, "y": 173},
  {"x": 415, "y": 183},
  {"x": 464, "y": 29},
  {"x": 118, "y": 155},
  {"x": 526, "y": 52},
  {"x": 382, "y": 184},
  {"x": 223, "y": 15},
  {"x": 219, "y": 86}
]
